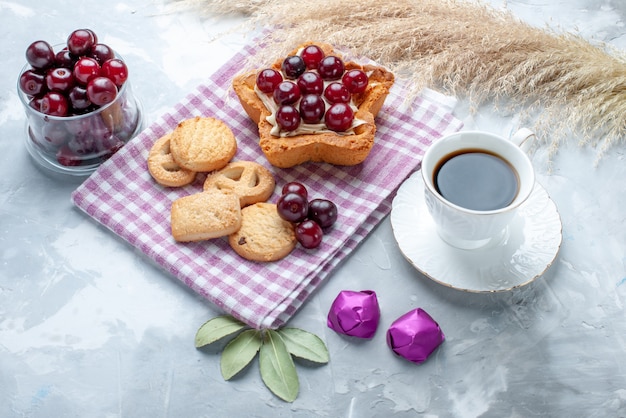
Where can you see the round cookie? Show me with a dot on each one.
(203, 144)
(164, 169)
(264, 235)
(249, 180)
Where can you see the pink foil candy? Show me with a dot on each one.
(355, 313)
(414, 336)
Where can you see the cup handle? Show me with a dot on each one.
(524, 138)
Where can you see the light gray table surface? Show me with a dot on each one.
(89, 327)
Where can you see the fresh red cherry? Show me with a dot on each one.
(295, 187)
(85, 69)
(60, 79)
(331, 68)
(101, 53)
(54, 103)
(355, 81)
(101, 91)
(35, 103)
(323, 212)
(310, 82)
(268, 79)
(78, 98)
(336, 92)
(40, 55)
(309, 234)
(312, 55)
(70, 73)
(288, 118)
(80, 41)
(116, 70)
(287, 92)
(339, 117)
(95, 37)
(312, 108)
(292, 207)
(32, 83)
(65, 59)
(293, 66)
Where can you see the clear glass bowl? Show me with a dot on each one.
(77, 145)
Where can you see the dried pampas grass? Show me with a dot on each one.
(468, 49)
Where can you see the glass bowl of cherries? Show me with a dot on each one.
(79, 105)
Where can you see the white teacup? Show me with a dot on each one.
(460, 217)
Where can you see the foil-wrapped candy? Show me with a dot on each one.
(355, 313)
(414, 336)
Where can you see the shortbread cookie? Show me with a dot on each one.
(203, 144)
(206, 215)
(264, 235)
(249, 180)
(164, 169)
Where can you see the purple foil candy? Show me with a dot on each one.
(355, 313)
(414, 336)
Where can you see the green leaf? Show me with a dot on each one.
(217, 328)
(277, 368)
(239, 352)
(304, 345)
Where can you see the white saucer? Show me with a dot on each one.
(528, 249)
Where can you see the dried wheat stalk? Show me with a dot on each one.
(465, 48)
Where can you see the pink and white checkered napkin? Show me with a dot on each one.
(122, 196)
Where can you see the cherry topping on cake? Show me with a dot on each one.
(293, 66)
(310, 82)
(287, 92)
(288, 118)
(312, 108)
(312, 85)
(312, 55)
(268, 79)
(355, 81)
(339, 117)
(331, 68)
(336, 92)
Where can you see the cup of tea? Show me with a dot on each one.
(474, 182)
